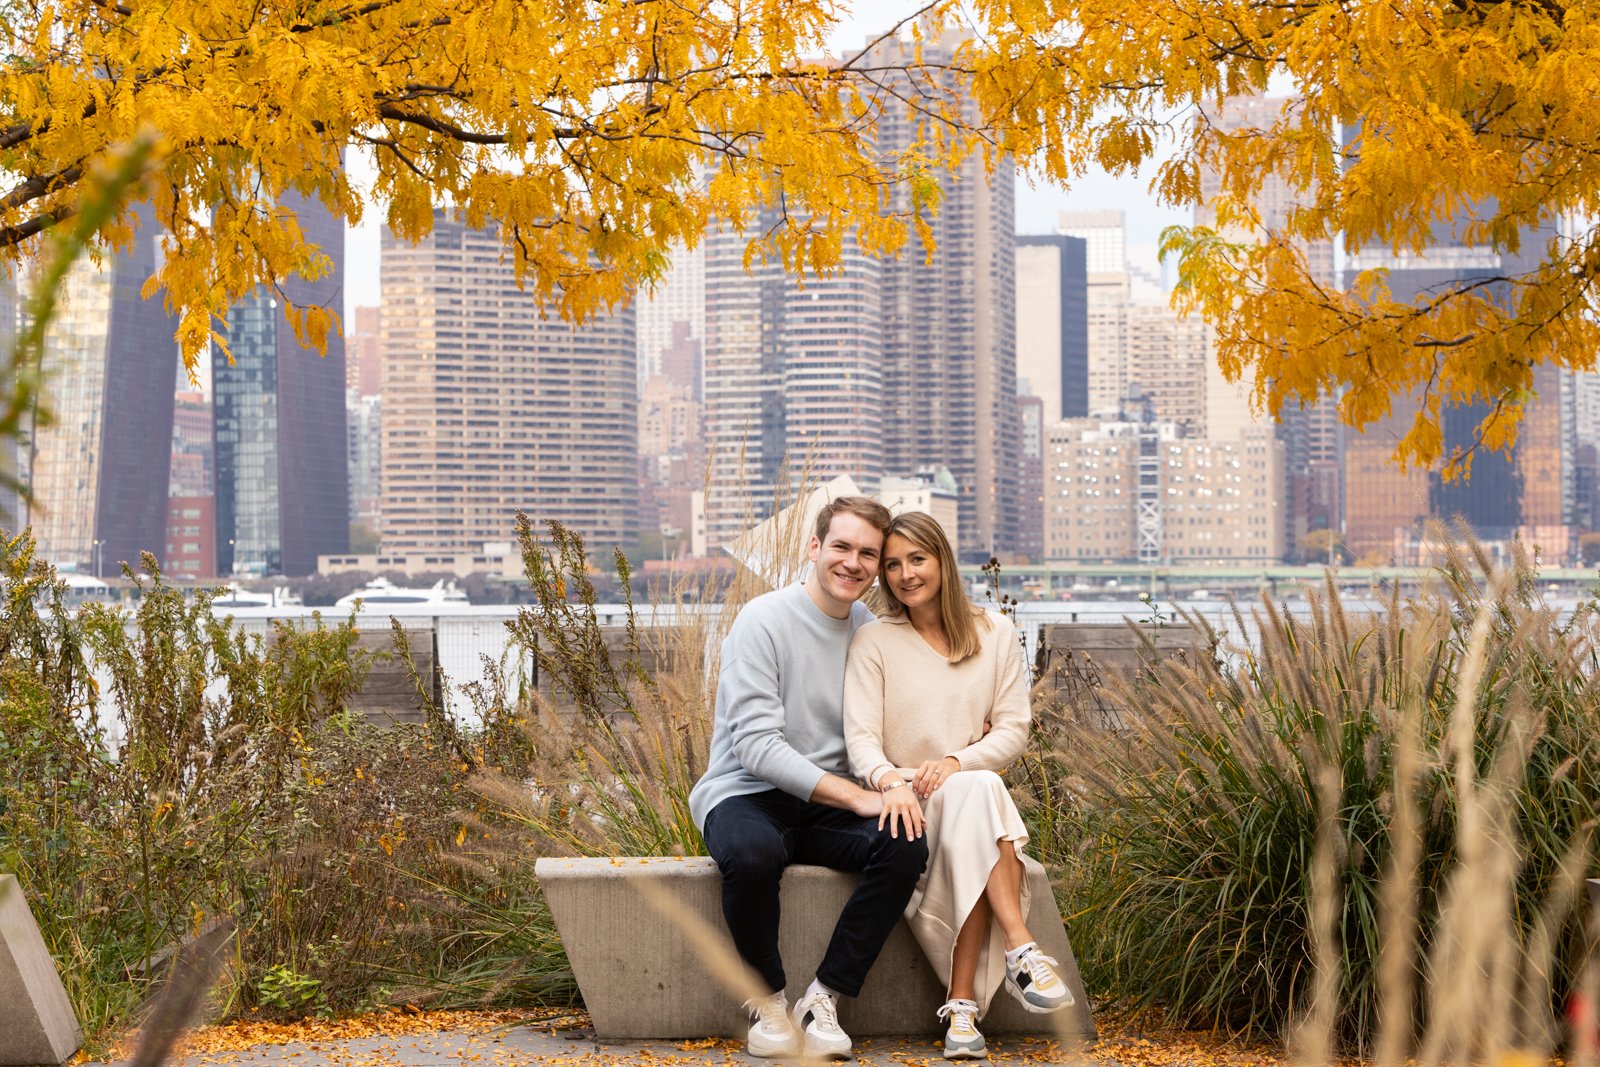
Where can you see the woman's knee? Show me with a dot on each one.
(962, 786)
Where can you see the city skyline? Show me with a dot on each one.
(682, 417)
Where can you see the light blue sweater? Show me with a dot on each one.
(779, 721)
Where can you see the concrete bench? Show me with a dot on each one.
(642, 976)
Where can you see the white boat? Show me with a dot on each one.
(382, 593)
(83, 589)
(233, 598)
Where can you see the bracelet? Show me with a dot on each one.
(897, 785)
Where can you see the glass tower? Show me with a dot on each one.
(281, 479)
(98, 468)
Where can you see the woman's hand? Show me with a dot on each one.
(900, 808)
(931, 775)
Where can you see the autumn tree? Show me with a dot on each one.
(1319, 546)
(1411, 125)
(593, 135)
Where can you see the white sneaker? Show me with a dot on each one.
(772, 1035)
(816, 1016)
(1032, 980)
(962, 1039)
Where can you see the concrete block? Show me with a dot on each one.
(641, 976)
(37, 1024)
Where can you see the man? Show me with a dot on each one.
(777, 791)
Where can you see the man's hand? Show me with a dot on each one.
(838, 792)
(870, 803)
(931, 775)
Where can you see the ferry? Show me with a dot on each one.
(382, 593)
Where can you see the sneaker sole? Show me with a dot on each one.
(832, 1052)
(776, 1051)
(981, 1052)
(1027, 1005)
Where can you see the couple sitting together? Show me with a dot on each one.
(872, 745)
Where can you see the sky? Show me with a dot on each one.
(1038, 204)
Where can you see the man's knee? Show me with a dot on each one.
(753, 860)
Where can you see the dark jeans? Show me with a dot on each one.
(754, 837)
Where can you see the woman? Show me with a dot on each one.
(936, 701)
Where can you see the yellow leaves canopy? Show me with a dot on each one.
(1413, 124)
(595, 133)
(591, 133)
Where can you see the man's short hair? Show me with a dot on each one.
(863, 507)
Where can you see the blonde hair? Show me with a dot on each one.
(958, 614)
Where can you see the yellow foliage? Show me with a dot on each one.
(592, 136)
(1415, 123)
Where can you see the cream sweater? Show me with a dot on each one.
(904, 703)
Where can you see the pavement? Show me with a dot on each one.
(530, 1045)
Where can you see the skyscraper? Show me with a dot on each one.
(673, 316)
(99, 470)
(793, 380)
(363, 364)
(493, 403)
(1528, 494)
(12, 458)
(1138, 344)
(1312, 435)
(884, 369)
(1031, 422)
(363, 413)
(1104, 234)
(191, 490)
(950, 357)
(1053, 324)
(281, 484)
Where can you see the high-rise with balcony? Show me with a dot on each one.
(99, 469)
(282, 494)
(949, 330)
(494, 404)
(793, 380)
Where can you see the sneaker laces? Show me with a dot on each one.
(823, 1008)
(769, 1010)
(1038, 966)
(959, 1011)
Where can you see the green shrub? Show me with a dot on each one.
(136, 815)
